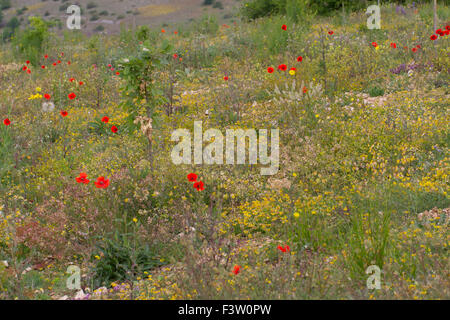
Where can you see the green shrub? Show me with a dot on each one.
(91, 5)
(22, 10)
(99, 28)
(218, 5)
(375, 91)
(207, 25)
(121, 260)
(143, 33)
(261, 8)
(29, 42)
(5, 4)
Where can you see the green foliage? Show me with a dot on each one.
(269, 36)
(123, 260)
(91, 5)
(218, 5)
(29, 42)
(140, 93)
(21, 11)
(296, 10)
(261, 8)
(375, 91)
(100, 128)
(5, 4)
(143, 33)
(6, 156)
(368, 241)
(208, 25)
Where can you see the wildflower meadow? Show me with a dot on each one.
(258, 150)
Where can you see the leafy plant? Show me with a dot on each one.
(122, 260)
(376, 91)
(30, 41)
(141, 94)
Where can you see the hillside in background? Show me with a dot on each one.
(108, 15)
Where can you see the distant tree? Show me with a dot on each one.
(10, 28)
(14, 23)
(5, 4)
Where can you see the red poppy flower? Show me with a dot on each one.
(47, 96)
(447, 32)
(175, 32)
(284, 27)
(175, 56)
(114, 129)
(236, 269)
(414, 49)
(199, 186)
(46, 56)
(64, 113)
(305, 90)
(293, 69)
(225, 78)
(24, 68)
(282, 67)
(28, 61)
(68, 62)
(419, 46)
(117, 73)
(72, 96)
(300, 59)
(72, 79)
(433, 37)
(105, 119)
(331, 32)
(59, 61)
(163, 31)
(101, 183)
(440, 32)
(6, 122)
(374, 44)
(393, 45)
(447, 28)
(54, 63)
(82, 178)
(81, 83)
(192, 177)
(284, 249)
(270, 70)
(28, 71)
(43, 67)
